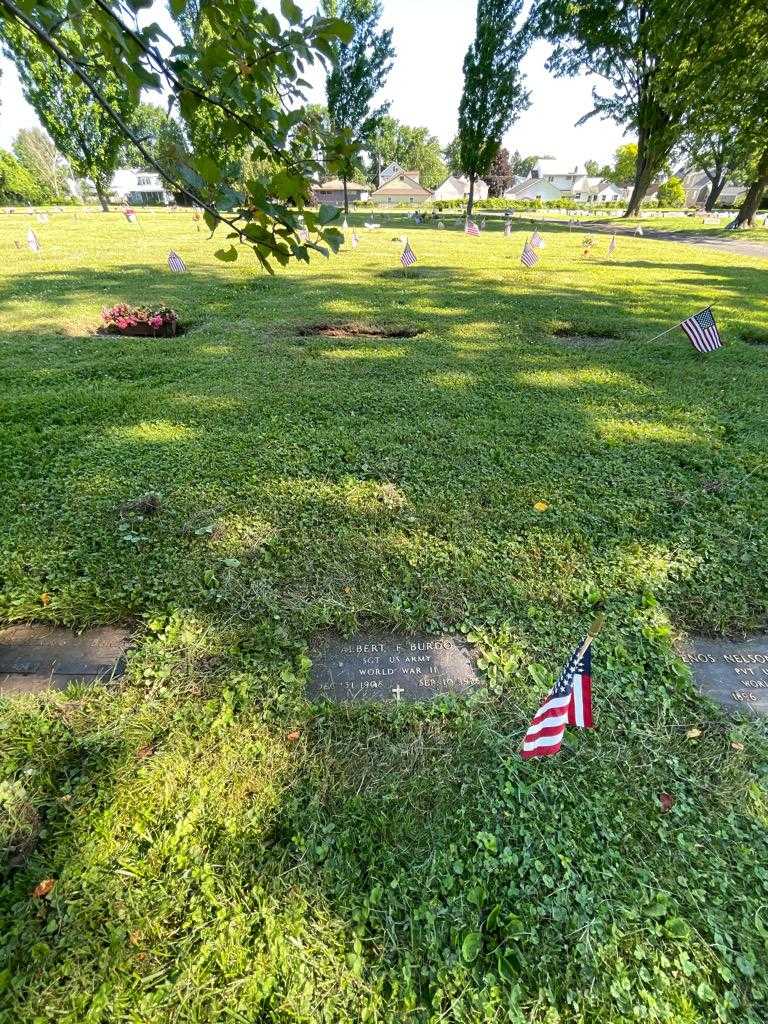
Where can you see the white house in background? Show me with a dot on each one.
(607, 192)
(458, 188)
(394, 170)
(139, 188)
(533, 188)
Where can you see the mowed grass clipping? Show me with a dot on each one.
(224, 851)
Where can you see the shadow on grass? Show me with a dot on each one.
(314, 482)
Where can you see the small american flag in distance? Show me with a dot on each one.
(472, 228)
(529, 256)
(408, 256)
(702, 331)
(569, 702)
(612, 245)
(176, 263)
(536, 240)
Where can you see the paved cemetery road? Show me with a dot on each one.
(759, 249)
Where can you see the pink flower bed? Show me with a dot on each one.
(140, 322)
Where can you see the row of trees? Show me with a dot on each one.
(683, 75)
(687, 78)
(677, 70)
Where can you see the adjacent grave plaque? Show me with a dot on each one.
(733, 673)
(35, 658)
(396, 668)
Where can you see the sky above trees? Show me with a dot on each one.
(424, 87)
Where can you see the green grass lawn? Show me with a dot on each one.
(392, 864)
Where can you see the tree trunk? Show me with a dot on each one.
(751, 204)
(718, 184)
(102, 196)
(653, 145)
(346, 197)
(471, 199)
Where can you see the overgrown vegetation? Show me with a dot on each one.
(216, 849)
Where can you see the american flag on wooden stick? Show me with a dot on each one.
(569, 702)
(32, 241)
(529, 256)
(702, 331)
(612, 245)
(471, 228)
(355, 239)
(536, 240)
(176, 263)
(408, 257)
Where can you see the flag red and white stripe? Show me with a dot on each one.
(569, 702)
(408, 256)
(529, 255)
(702, 331)
(472, 228)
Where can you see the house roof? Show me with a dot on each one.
(521, 186)
(337, 185)
(401, 185)
(460, 183)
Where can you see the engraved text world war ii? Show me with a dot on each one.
(735, 674)
(393, 668)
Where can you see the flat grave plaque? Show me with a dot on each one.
(385, 667)
(36, 658)
(732, 673)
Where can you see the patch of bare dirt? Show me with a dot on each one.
(357, 330)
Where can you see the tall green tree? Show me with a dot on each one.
(671, 193)
(500, 174)
(624, 170)
(248, 70)
(720, 151)
(163, 137)
(37, 152)
(452, 157)
(493, 94)
(80, 126)
(727, 123)
(522, 166)
(655, 55)
(360, 69)
(413, 148)
(17, 184)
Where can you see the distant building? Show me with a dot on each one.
(697, 188)
(549, 183)
(394, 170)
(139, 188)
(608, 192)
(534, 188)
(458, 188)
(332, 192)
(401, 189)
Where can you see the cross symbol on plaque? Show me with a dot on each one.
(397, 691)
